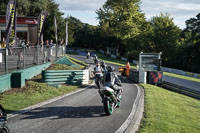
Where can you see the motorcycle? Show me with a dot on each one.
(111, 98)
(3, 120)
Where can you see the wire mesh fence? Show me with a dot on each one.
(23, 57)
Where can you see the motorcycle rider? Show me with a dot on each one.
(111, 79)
(98, 69)
(98, 75)
(88, 54)
(104, 66)
(95, 59)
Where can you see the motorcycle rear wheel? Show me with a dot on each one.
(108, 106)
(5, 130)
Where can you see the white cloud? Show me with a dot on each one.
(81, 9)
(180, 10)
(80, 5)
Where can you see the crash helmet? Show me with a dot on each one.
(111, 69)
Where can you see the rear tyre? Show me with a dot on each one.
(108, 106)
(5, 130)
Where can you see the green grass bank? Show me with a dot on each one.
(169, 112)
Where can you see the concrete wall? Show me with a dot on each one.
(5, 83)
(18, 79)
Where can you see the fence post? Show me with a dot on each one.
(6, 63)
(63, 51)
(24, 57)
(37, 54)
(56, 51)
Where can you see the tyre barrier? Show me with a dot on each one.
(53, 77)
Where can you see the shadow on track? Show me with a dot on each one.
(66, 112)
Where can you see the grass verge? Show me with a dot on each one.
(169, 112)
(181, 77)
(82, 64)
(33, 93)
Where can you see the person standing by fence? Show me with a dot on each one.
(3, 43)
(22, 45)
(48, 47)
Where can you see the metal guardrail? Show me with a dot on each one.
(181, 89)
(22, 57)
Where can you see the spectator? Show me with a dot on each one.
(48, 47)
(20, 54)
(61, 42)
(51, 43)
(3, 43)
(28, 44)
(42, 46)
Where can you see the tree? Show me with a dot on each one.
(74, 25)
(189, 52)
(121, 20)
(166, 37)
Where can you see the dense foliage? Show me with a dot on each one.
(122, 25)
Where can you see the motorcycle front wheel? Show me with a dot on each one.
(5, 130)
(108, 106)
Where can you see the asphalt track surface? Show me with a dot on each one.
(81, 112)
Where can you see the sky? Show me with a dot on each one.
(180, 10)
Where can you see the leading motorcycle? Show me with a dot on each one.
(111, 94)
(111, 99)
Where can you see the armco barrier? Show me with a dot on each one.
(65, 76)
(113, 56)
(124, 59)
(5, 82)
(181, 89)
